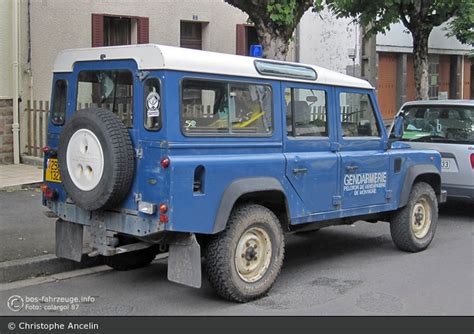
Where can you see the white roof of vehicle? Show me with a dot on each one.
(153, 56)
(440, 103)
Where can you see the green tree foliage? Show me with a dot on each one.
(419, 17)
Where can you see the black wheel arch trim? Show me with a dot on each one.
(412, 174)
(241, 187)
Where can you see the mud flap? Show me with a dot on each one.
(69, 240)
(184, 261)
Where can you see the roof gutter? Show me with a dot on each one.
(15, 81)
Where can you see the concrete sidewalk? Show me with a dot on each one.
(16, 176)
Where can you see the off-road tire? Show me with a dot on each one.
(119, 161)
(221, 249)
(401, 230)
(132, 260)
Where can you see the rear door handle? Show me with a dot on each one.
(300, 170)
(352, 169)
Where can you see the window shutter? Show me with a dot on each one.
(97, 30)
(241, 40)
(143, 30)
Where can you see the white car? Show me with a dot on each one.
(448, 127)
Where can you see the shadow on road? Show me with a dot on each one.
(457, 208)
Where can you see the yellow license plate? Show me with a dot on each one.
(52, 171)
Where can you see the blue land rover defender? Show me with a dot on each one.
(161, 149)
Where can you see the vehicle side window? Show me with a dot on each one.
(153, 111)
(225, 108)
(306, 112)
(358, 117)
(58, 110)
(109, 89)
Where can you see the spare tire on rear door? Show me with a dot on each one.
(96, 159)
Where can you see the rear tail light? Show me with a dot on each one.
(165, 162)
(49, 193)
(472, 160)
(163, 211)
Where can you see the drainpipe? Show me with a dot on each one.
(462, 77)
(15, 75)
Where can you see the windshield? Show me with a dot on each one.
(449, 124)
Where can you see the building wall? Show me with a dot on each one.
(328, 42)
(65, 24)
(6, 135)
(6, 102)
(5, 49)
(398, 39)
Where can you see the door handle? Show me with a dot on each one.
(300, 170)
(352, 168)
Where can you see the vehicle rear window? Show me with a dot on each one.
(449, 124)
(153, 110)
(210, 108)
(109, 89)
(58, 110)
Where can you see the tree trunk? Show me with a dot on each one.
(420, 63)
(274, 46)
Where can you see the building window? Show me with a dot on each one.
(246, 35)
(117, 31)
(109, 30)
(191, 35)
(433, 78)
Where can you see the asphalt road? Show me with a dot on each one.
(344, 270)
(24, 230)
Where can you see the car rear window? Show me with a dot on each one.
(449, 124)
(109, 89)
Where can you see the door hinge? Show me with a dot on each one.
(142, 75)
(336, 200)
(334, 146)
(139, 153)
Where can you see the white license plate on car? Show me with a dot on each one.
(445, 164)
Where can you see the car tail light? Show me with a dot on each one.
(165, 162)
(163, 208)
(49, 193)
(163, 211)
(472, 160)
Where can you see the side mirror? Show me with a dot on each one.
(398, 127)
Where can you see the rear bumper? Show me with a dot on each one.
(458, 191)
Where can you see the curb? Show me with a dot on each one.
(43, 265)
(21, 187)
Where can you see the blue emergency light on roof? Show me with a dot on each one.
(285, 70)
(256, 51)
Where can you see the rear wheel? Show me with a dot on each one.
(245, 259)
(413, 226)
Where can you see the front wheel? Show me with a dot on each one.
(244, 260)
(413, 226)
